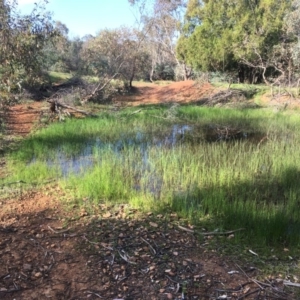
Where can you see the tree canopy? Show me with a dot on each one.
(22, 39)
(234, 35)
(249, 40)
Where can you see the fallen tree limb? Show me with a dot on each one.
(101, 86)
(59, 104)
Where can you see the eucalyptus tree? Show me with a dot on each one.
(162, 23)
(117, 52)
(292, 23)
(56, 48)
(22, 39)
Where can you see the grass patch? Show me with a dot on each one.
(59, 77)
(216, 168)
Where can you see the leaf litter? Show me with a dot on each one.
(116, 252)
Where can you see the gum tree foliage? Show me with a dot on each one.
(61, 53)
(162, 22)
(55, 49)
(235, 36)
(292, 21)
(72, 58)
(22, 39)
(116, 53)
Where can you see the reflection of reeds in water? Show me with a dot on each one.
(246, 177)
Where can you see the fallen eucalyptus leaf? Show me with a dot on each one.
(252, 252)
(153, 224)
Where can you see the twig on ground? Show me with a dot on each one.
(253, 280)
(212, 232)
(97, 244)
(186, 229)
(172, 279)
(288, 283)
(222, 233)
(124, 257)
(63, 231)
(153, 250)
(93, 293)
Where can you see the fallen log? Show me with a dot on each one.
(54, 105)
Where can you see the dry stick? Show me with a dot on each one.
(97, 244)
(185, 229)
(153, 250)
(212, 232)
(177, 284)
(253, 280)
(288, 283)
(172, 279)
(222, 233)
(93, 293)
(126, 259)
(63, 231)
(264, 138)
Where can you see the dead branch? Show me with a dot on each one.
(288, 283)
(126, 258)
(58, 104)
(222, 233)
(226, 96)
(100, 87)
(212, 232)
(186, 229)
(251, 279)
(152, 249)
(58, 232)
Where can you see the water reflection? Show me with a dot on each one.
(175, 135)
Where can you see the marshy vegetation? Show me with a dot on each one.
(217, 168)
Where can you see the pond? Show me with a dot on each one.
(177, 134)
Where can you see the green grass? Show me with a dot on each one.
(251, 184)
(58, 77)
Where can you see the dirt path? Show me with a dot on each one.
(50, 252)
(20, 119)
(115, 254)
(179, 92)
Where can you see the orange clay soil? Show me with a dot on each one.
(181, 92)
(50, 252)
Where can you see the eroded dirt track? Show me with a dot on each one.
(20, 119)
